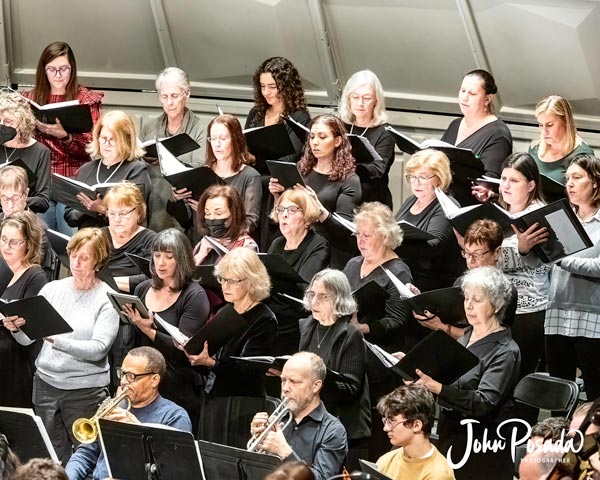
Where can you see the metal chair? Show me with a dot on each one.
(549, 393)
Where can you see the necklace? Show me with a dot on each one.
(110, 176)
(364, 131)
(7, 155)
(321, 340)
(497, 329)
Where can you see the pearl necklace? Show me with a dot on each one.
(108, 166)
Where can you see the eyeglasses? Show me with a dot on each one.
(11, 243)
(391, 424)
(474, 255)
(319, 297)
(106, 140)
(357, 98)
(131, 377)
(419, 179)
(221, 138)
(14, 198)
(290, 210)
(63, 70)
(111, 214)
(229, 281)
(173, 97)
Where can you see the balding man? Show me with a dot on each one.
(141, 373)
(314, 436)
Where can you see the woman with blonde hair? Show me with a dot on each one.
(16, 113)
(116, 152)
(434, 263)
(362, 109)
(559, 141)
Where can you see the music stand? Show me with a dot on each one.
(150, 452)
(221, 461)
(26, 434)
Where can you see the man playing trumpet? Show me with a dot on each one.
(141, 373)
(314, 436)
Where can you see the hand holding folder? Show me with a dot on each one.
(41, 318)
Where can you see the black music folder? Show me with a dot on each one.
(196, 180)
(269, 142)
(224, 462)
(179, 144)
(279, 270)
(552, 189)
(142, 263)
(205, 276)
(26, 434)
(286, 173)
(446, 303)
(413, 233)
(225, 325)
(362, 150)
(42, 320)
(301, 131)
(371, 296)
(439, 356)
(567, 235)
(371, 469)
(484, 181)
(65, 190)
(74, 117)
(134, 450)
(264, 362)
(118, 300)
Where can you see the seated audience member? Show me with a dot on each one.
(8, 460)
(306, 251)
(329, 333)
(362, 109)
(20, 247)
(292, 471)
(40, 469)
(15, 112)
(483, 393)
(72, 370)
(314, 436)
(227, 155)
(538, 464)
(117, 158)
(234, 392)
(221, 216)
(327, 167)
(434, 263)
(141, 374)
(550, 429)
(172, 294)
(173, 89)
(408, 415)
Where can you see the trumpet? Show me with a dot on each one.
(85, 430)
(274, 420)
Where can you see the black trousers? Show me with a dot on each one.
(528, 333)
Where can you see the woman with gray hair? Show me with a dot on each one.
(484, 393)
(362, 109)
(173, 89)
(16, 113)
(329, 333)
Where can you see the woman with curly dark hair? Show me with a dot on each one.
(328, 170)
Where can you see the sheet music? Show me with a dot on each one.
(169, 165)
(403, 290)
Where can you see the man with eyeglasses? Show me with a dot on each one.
(408, 415)
(142, 370)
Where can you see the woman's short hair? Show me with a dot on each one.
(97, 241)
(337, 285)
(239, 153)
(291, 471)
(14, 177)
(289, 87)
(124, 134)
(173, 76)
(484, 232)
(176, 243)
(493, 283)
(29, 226)
(243, 263)
(363, 77)
(525, 164)
(300, 197)
(17, 107)
(41, 91)
(413, 402)
(382, 219)
(436, 161)
(559, 106)
(236, 225)
(591, 165)
(126, 194)
(343, 162)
